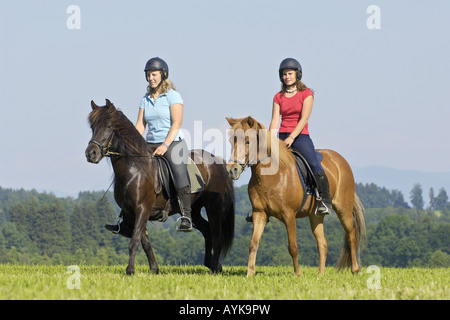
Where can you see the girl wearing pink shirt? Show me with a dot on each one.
(293, 104)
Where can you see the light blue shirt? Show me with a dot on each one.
(157, 115)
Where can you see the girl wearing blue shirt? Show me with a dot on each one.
(161, 109)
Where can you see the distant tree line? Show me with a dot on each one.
(40, 228)
(374, 196)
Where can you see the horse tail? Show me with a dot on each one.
(227, 228)
(359, 224)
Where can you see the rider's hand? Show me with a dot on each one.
(160, 151)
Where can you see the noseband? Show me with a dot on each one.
(247, 163)
(243, 165)
(104, 148)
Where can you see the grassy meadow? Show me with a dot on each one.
(90, 282)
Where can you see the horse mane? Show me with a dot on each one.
(281, 153)
(131, 142)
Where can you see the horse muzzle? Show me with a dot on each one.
(93, 153)
(234, 170)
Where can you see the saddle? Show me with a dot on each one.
(164, 182)
(306, 175)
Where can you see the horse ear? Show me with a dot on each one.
(251, 122)
(93, 105)
(109, 104)
(232, 121)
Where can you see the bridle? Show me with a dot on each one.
(105, 147)
(244, 165)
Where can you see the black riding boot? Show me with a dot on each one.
(324, 205)
(184, 195)
(123, 228)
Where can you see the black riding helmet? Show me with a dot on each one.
(290, 63)
(157, 64)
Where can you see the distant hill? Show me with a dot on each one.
(403, 180)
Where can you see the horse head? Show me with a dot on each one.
(249, 142)
(100, 120)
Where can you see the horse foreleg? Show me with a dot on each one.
(322, 245)
(291, 228)
(145, 241)
(259, 222)
(139, 229)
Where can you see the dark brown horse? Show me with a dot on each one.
(275, 190)
(139, 195)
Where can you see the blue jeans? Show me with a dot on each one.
(305, 146)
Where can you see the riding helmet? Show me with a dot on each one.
(290, 63)
(157, 64)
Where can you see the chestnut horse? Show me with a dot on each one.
(275, 190)
(139, 194)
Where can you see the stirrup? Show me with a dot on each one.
(323, 213)
(249, 217)
(185, 229)
(118, 226)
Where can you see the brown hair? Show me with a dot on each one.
(299, 84)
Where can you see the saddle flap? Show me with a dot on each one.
(156, 180)
(305, 174)
(304, 170)
(164, 177)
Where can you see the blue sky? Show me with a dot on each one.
(380, 95)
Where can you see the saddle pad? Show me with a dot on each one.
(195, 177)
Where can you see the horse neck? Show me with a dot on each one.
(276, 152)
(131, 159)
(273, 164)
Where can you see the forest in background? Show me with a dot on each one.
(40, 228)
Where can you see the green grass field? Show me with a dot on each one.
(195, 282)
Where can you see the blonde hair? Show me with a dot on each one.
(163, 87)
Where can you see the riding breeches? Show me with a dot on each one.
(177, 155)
(303, 144)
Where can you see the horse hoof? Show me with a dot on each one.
(217, 269)
(154, 271)
(130, 271)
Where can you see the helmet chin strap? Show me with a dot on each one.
(294, 85)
